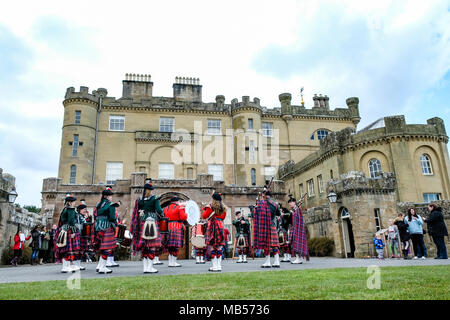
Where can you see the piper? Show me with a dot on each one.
(145, 227)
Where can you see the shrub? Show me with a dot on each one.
(320, 247)
(8, 254)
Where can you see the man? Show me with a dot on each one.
(145, 227)
(299, 244)
(242, 226)
(177, 216)
(284, 232)
(437, 229)
(265, 232)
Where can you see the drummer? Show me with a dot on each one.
(177, 215)
(215, 238)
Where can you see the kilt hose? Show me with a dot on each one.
(176, 235)
(143, 244)
(105, 240)
(73, 244)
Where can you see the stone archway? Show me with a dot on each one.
(165, 198)
(165, 201)
(347, 233)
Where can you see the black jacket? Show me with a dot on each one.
(402, 229)
(436, 224)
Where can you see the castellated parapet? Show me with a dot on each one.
(137, 93)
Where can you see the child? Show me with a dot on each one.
(379, 245)
(393, 236)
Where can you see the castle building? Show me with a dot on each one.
(192, 148)
(374, 174)
(105, 139)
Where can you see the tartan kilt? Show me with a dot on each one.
(214, 233)
(105, 240)
(73, 244)
(274, 237)
(176, 235)
(148, 243)
(286, 239)
(85, 243)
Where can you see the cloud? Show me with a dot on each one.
(388, 59)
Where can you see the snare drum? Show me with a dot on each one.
(120, 232)
(198, 235)
(164, 225)
(128, 239)
(88, 229)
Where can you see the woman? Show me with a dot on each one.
(145, 227)
(176, 215)
(404, 234)
(437, 229)
(43, 251)
(215, 237)
(105, 225)
(415, 229)
(18, 247)
(35, 243)
(69, 247)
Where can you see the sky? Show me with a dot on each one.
(393, 55)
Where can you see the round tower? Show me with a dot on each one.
(78, 136)
(246, 117)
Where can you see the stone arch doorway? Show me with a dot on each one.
(347, 233)
(164, 200)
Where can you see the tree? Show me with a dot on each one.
(33, 209)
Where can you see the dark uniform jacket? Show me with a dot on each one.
(436, 224)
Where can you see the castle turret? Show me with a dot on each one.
(286, 109)
(187, 89)
(78, 135)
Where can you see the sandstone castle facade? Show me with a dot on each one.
(190, 148)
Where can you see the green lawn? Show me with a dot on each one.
(430, 282)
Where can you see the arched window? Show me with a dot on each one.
(321, 133)
(425, 162)
(73, 174)
(253, 176)
(375, 168)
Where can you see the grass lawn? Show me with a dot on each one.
(430, 282)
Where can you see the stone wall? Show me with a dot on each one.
(11, 217)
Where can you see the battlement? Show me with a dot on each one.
(187, 96)
(389, 129)
(84, 94)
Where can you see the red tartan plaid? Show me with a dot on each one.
(142, 243)
(73, 244)
(214, 233)
(176, 235)
(262, 231)
(84, 243)
(105, 240)
(274, 240)
(299, 243)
